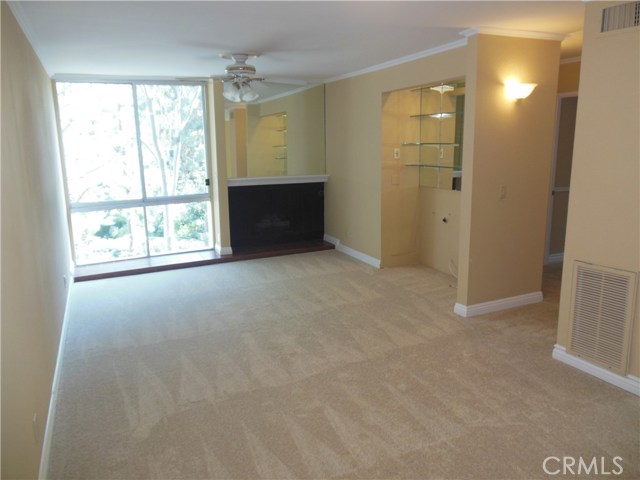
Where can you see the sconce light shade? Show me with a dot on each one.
(515, 90)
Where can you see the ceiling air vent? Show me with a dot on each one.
(621, 16)
(602, 314)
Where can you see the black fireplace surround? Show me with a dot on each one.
(274, 215)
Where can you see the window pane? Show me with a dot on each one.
(109, 235)
(172, 137)
(99, 138)
(189, 227)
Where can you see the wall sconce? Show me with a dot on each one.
(515, 90)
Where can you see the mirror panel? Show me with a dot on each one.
(281, 136)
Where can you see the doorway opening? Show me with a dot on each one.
(561, 177)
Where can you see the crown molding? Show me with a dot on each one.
(505, 32)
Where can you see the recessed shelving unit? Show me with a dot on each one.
(434, 137)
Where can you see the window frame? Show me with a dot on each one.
(144, 201)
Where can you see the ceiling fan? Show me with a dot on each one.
(237, 81)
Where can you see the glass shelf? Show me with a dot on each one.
(443, 88)
(437, 115)
(428, 144)
(434, 165)
(435, 123)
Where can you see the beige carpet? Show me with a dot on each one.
(315, 366)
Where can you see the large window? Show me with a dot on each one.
(135, 169)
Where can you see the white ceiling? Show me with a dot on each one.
(299, 42)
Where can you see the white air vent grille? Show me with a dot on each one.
(602, 315)
(621, 16)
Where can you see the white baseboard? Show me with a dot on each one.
(497, 305)
(223, 250)
(53, 400)
(331, 239)
(363, 257)
(629, 383)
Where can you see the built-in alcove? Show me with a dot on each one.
(422, 133)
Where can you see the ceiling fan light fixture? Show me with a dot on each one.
(239, 89)
(240, 69)
(230, 91)
(237, 82)
(247, 94)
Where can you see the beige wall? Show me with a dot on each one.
(569, 77)
(35, 251)
(354, 205)
(506, 144)
(236, 141)
(439, 239)
(218, 167)
(603, 226)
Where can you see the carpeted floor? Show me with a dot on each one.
(315, 366)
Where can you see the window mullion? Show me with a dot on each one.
(106, 205)
(138, 140)
(137, 202)
(134, 92)
(207, 143)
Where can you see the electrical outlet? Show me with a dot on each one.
(396, 153)
(65, 281)
(503, 192)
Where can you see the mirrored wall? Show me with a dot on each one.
(280, 136)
